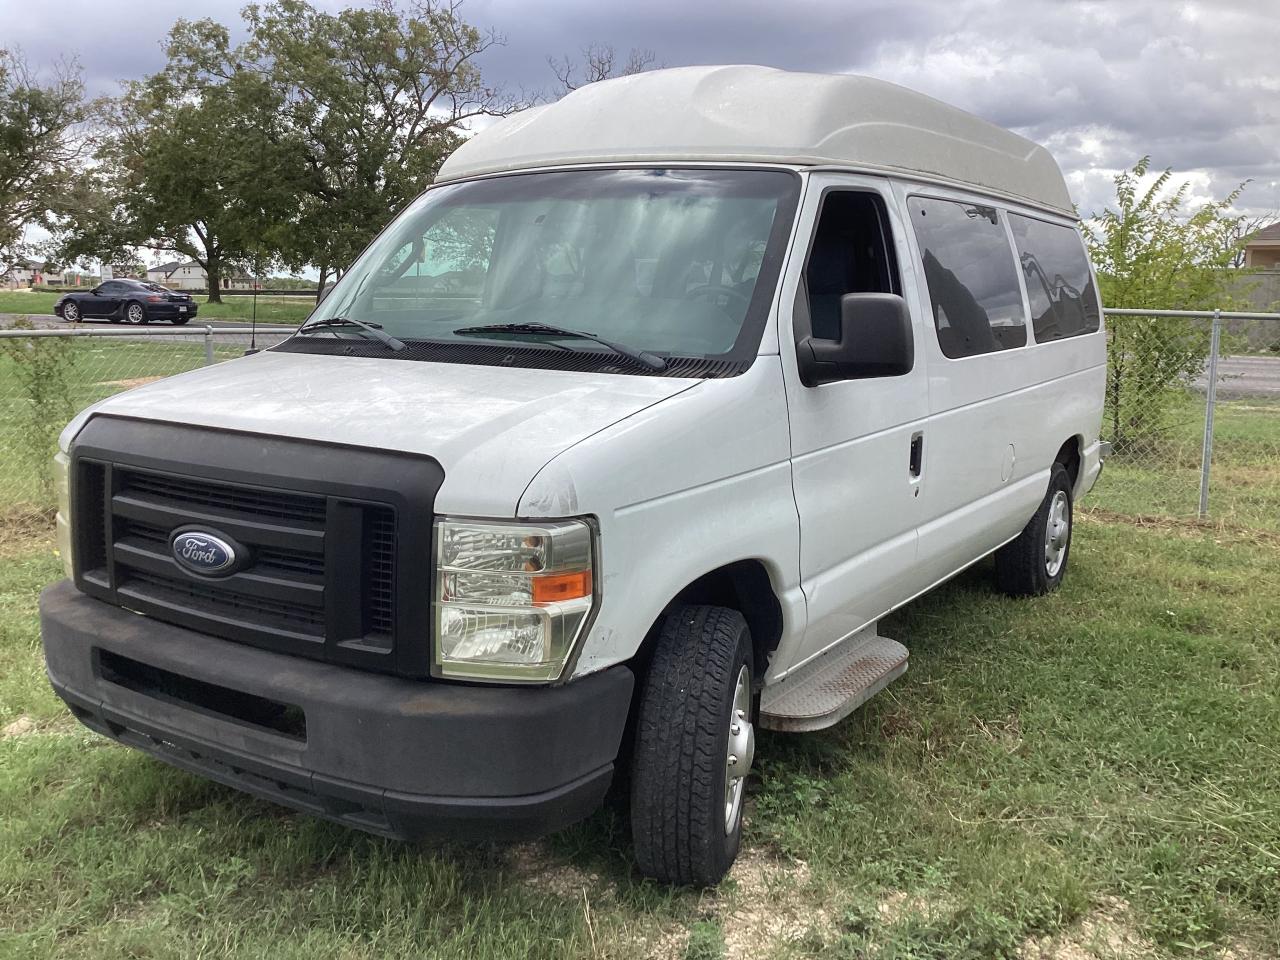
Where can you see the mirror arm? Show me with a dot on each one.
(818, 361)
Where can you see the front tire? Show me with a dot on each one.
(694, 747)
(71, 312)
(1035, 563)
(135, 313)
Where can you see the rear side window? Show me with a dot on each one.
(1059, 285)
(972, 279)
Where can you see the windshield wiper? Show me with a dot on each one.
(643, 357)
(373, 329)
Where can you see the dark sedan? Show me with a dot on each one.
(127, 301)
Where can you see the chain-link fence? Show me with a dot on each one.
(1192, 407)
(47, 376)
(1193, 415)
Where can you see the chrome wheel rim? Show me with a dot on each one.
(740, 750)
(134, 314)
(70, 312)
(1057, 533)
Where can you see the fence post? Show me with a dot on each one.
(208, 345)
(1210, 402)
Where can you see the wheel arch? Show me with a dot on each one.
(1071, 456)
(742, 585)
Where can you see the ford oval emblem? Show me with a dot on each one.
(204, 553)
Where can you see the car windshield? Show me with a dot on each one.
(671, 261)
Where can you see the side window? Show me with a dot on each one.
(972, 280)
(851, 253)
(1059, 285)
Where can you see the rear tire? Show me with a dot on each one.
(179, 321)
(694, 747)
(1035, 563)
(135, 313)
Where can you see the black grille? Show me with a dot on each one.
(283, 596)
(331, 541)
(379, 570)
(258, 504)
(237, 608)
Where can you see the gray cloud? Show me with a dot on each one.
(1100, 83)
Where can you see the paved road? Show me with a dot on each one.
(1248, 377)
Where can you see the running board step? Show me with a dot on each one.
(829, 688)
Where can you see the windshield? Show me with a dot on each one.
(677, 262)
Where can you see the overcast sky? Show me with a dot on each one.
(1194, 84)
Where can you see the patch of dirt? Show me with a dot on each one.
(1183, 526)
(894, 906)
(672, 944)
(766, 903)
(1243, 951)
(1106, 933)
(26, 726)
(18, 728)
(536, 867)
(129, 383)
(24, 532)
(1007, 731)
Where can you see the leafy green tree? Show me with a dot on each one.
(369, 102)
(39, 148)
(1151, 252)
(189, 167)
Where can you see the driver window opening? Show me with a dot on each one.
(851, 253)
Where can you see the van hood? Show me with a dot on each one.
(491, 428)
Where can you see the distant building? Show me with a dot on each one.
(189, 275)
(28, 273)
(1262, 249)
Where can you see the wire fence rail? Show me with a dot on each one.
(47, 376)
(1193, 416)
(1192, 406)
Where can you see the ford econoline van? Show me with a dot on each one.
(612, 449)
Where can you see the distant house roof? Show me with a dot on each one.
(1266, 233)
(168, 269)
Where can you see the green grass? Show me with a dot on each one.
(1098, 768)
(97, 368)
(1162, 476)
(270, 309)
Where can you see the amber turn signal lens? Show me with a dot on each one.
(562, 586)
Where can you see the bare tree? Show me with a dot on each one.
(1246, 227)
(599, 62)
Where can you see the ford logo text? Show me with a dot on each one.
(203, 553)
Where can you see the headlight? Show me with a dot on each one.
(511, 598)
(62, 522)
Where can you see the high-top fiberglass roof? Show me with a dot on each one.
(746, 113)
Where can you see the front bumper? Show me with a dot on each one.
(392, 756)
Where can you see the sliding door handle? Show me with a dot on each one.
(916, 462)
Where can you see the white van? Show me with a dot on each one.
(614, 446)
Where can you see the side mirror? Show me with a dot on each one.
(96, 291)
(328, 289)
(875, 341)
